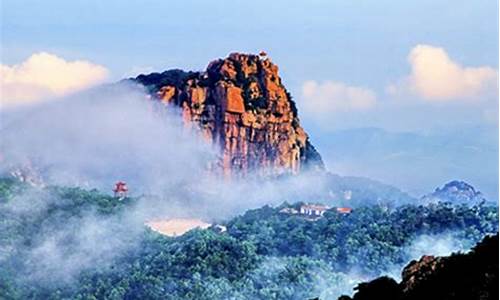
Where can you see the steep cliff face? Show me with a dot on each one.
(240, 104)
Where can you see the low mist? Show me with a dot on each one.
(95, 138)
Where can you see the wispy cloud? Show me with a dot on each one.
(330, 96)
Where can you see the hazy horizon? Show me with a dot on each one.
(348, 66)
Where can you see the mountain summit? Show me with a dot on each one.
(240, 104)
(458, 192)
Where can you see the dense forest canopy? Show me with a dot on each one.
(102, 253)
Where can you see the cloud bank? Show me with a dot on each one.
(45, 75)
(96, 137)
(331, 96)
(436, 77)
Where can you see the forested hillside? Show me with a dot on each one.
(103, 253)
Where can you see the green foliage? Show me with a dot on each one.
(154, 81)
(10, 187)
(369, 238)
(78, 200)
(264, 254)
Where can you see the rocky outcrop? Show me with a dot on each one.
(240, 104)
(457, 192)
(419, 271)
(460, 276)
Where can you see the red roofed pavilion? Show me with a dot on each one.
(120, 189)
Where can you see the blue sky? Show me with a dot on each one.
(340, 47)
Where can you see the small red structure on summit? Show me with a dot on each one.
(120, 189)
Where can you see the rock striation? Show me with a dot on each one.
(241, 105)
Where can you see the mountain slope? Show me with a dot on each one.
(70, 243)
(460, 276)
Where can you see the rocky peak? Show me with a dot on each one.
(240, 104)
(458, 187)
(457, 192)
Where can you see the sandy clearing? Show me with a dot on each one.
(176, 227)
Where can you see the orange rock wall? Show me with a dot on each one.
(240, 104)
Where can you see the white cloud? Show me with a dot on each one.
(436, 77)
(323, 99)
(43, 75)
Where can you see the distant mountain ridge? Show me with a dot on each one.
(414, 161)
